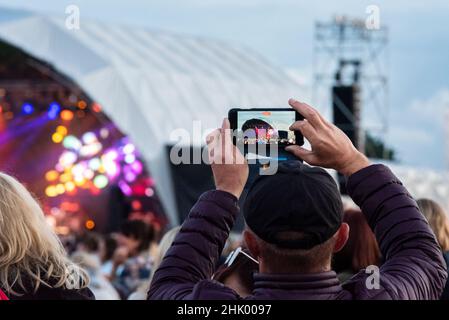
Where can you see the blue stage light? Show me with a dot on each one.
(53, 110)
(27, 108)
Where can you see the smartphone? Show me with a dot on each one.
(265, 132)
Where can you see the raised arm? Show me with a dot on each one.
(197, 248)
(414, 267)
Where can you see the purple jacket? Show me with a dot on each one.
(414, 267)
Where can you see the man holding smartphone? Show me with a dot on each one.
(294, 220)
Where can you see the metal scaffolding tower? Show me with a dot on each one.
(344, 44)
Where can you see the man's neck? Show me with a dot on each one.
(264, 268)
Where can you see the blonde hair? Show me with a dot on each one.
(438, 221)
(31, 254)
(165, 244)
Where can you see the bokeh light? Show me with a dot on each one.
(67, 115)
(53, 110)
(101, 181)
(57, 137)
(27, 108)
(90, 224)
(62, 130)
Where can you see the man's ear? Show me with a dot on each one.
(251, 243)
(341, 237)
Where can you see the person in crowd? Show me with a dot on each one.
(133, 256)
(295, 224)
(361, 249)
(237, 271)
(33, 262)
(439, 222)
(99, 284)
(164, 245)
(110, 245)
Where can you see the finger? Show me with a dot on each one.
(301, 153)
(227, 137)
(306, 129)
(213, 145)
(309, 113)
(229, 151)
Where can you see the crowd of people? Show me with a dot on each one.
(300, 241)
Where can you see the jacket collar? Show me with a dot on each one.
(324, 282)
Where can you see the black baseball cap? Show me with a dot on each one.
(298, 198)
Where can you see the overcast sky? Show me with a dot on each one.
(282, 30)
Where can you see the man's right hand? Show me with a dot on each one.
(229, 166)
(331, 148)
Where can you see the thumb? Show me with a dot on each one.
(301, 153)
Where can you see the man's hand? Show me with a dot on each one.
(228, 164)
(331, 148)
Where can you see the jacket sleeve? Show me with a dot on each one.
(413, 267)
(196, 249)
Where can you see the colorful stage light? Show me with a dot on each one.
(72, 143)
(57, 137)
(90, 150)
(65, 177)
(51, 175)
(85, 165)
(78, 170)
(96, 107)
(88, 174)
(70, 186)
(126, 189)
(27, 108)
(62, 130)
(101, 181)
(149, 192)
(110, 156)
(79, 181)
(104, 133)
(130, 176)
(137, 167)
(82, 104)
(67, 115)
(136, 205)
(60, 189)
(53, 110)
(95, 164)
(130, 158)
(70, 206)
(90, 224)
(129, 148)
(51, 191)
(89, 138)
(111, 168)
(68, 158)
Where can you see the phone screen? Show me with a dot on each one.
(265, 127)
(264, 133)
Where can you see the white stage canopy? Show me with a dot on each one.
(151, 82)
